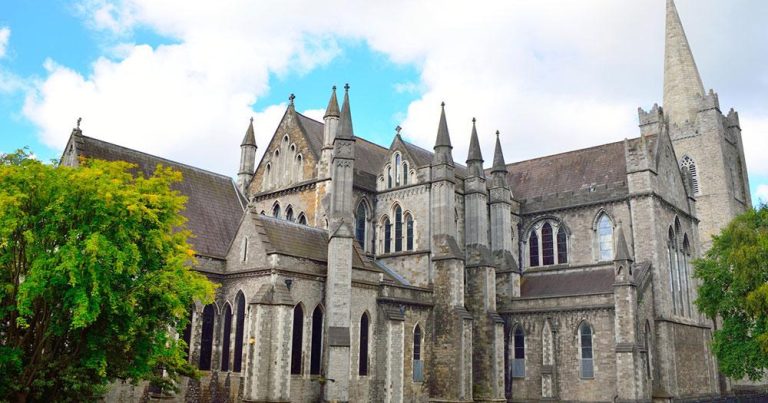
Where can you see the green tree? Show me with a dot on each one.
(94, 278)
(734, 275)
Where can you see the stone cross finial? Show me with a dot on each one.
(346, 87)
(497, 133)
(473, 120)
(334, 88)
(291, 98)
(442, 104)
(397, 129)
(78, 123)
(251, 119)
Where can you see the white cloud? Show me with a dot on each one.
(5, 34)
(761, 193)
(551, 75)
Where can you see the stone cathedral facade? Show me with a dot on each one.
(352, 272)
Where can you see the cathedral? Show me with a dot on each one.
(352, 272)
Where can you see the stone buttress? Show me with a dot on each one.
(450, 375)
(338, 290)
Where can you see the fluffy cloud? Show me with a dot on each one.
(550, 75)
(761, 194)
(5, 34)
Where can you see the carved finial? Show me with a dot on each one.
(291, 98)
(346, 87)
(497, 133)
(78, 123)
(397, 129)
(251, 119)
(334, 88)
(442, 104)
(473, 121)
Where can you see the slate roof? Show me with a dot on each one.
(560, 284)
(214, 206)
(571, 171)
(297, 240)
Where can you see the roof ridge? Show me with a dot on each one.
(158, 157)
(295, 224)
(569, 152)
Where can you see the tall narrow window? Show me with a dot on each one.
(672, 254)
(687, 162)
(289, 214)
(206, 338)
(298, 338)
(225, 335)
(302, 219)
(562, 246)
(605, 237)
(363, 362)
(398, 229)
(360, 224)
(518, 362)
(299, 168)
(533, 249)
(405, 173)
(418, 364)
(387, 235)
(186, 335)
(389, 177)
(317, 342)
(268, 175)
(409, 232)
(276, 211)
(237, 363)
(397, 170)
(587, 365)
(686, 274)
(648, 353)
(547, 245)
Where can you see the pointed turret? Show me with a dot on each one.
(333, 105)
(498, 157)
(247, 159)
(443, 142)
(475, 156)
(345, 122)
(682, 83)
(622, 251)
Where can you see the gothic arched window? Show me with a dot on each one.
(518, 357)
(389, 177)
(397, 169)
(239, 331)
(408, 232)
(206, 338)
(674, 276)
(605, 238)
(297, 340)
(687, 162)
(533, 249)
(586, 369)
(685, 256)
(562, 246)
(405, 173)
(225, 336)
(363, 356)
(302, 219)
(387, 235)
(418, 364)
(547, 245)
(360, 218)
(398, 229)
(289, 214)
(276, 210)
(316, 350)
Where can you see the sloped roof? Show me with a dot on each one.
(297, 240)
(214, 206)
(560, 284)
(568, 172)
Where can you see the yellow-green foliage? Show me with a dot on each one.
(734, 287)
(94, 277)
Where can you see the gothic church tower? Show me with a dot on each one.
(707, 144)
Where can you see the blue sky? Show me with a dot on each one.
(181, 79)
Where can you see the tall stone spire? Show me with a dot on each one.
(498, 157)
(682, 83)
(247, 159)
(333, 105)
(443, 142)
(475, 156)
(345, 122)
